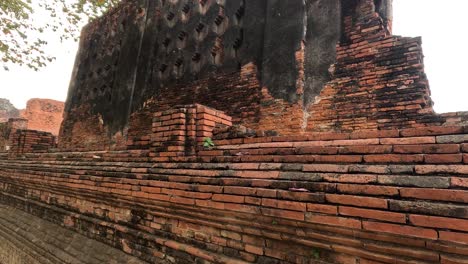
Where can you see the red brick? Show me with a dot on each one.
(439, 222)
(377, 169)
(375, 134)
(270, 166)
(459, 182)
(355, 142)
(427, 149)
(140, 194)
(431, 131)
(403, 230)
(231, 235)
(150, 189)
(253, 240)
(357, 200)
(292, 138)
(464, 147)
(407, 141)
(228, 198)
(453, 139)
(139, 170)
(241, 208)
(218, 240)
(257, 174)
(365, 256)
(254, 249)
(301, 196)
(350, 178)
(248, 257)
(460, 238)
(368, 189)
(254, 183)
(325, 168)
(267, 193)
(404, 252)
(385, 237)
(182, 200)
(445, 169)
(443, 158)
(207, 188)
(275, 253)
(370, 149)
(253, 200)
(441, 246)
(322, 208)
(209, 152)
(393, 158)
(446, 259)
(333, 220)
(436, 194)
(339, 158)
(328, 136)
(244, 166)
(270, 145)
(465, 158)
(317, 150)
(240, 190)
(373, 214)
(161, 197)
(283, 214)
(295, 206)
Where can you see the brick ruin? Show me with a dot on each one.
(34, 129)
(325, 149)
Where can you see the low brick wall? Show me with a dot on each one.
(30, 141)
(393, 196)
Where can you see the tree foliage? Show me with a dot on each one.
(25, 26)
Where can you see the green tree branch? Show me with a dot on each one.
(23, 38)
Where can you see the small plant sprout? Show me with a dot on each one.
(315, 253)
(208, 143)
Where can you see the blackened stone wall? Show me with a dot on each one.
(142, 49)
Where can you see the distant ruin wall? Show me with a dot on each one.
(315, 65)
(16, 139)
(44, 115)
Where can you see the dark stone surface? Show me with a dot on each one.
(141, 47)
(284, 32)
(323, 32)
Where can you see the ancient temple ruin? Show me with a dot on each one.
(244, 131)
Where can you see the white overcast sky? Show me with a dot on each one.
(442, 24)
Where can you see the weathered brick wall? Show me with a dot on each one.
(392, 196)
(6, 130)
(30, 141)
(370, 80)
(378, 80)
(4, 135)
(182, 131)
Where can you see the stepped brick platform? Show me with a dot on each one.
(393, 196)
(325, 149)
(27, 141)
